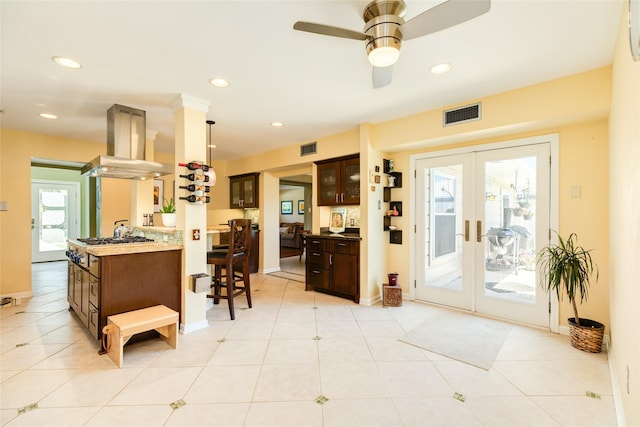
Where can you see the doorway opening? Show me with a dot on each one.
(56, 206)
(295, 219)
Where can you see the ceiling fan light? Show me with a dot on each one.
(384, 56)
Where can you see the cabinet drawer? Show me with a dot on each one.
(341, 247)
(315, 276)
(94, 320)
(314, 244)
(94, 291)
(315, 257)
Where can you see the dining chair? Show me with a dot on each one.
(234, 260)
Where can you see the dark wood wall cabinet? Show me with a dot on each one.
(119, 283)
(339, 181)
(243, 191)
(333, 266)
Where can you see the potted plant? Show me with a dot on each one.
(168, 213)
(567, 269)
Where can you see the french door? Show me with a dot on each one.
(481, 217)
(54, 218)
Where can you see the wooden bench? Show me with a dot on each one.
(121, 327)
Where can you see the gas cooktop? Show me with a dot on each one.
(114, 240)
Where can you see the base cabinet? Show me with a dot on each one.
(333, 266)
(78, 292)
(121, 283)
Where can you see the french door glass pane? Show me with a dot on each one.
(509, 213)
(444, 251)
(54, 221)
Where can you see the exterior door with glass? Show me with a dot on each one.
(481, 218)
(444, 246)
(54, 213)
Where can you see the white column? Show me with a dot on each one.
(190, 145)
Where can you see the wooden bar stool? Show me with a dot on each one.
(237, 254)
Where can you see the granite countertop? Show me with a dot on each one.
(343, 236)
(128, 248)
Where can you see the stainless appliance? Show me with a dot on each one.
(126, 139)
(77, 253)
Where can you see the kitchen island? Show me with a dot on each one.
(110, 279)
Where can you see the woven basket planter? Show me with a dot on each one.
(588, 336)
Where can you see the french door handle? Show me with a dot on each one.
(479, 234)
(466, 231)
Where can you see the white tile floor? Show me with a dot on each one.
(296, 358)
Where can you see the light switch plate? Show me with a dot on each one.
(576, 192)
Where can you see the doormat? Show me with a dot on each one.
(469, 339)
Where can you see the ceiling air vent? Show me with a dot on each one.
(461, 115)
(307, 149)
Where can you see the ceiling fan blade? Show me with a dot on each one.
(328, 30)
(382, 76)
(444, 15)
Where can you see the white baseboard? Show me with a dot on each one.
(370, 301)
(192, 327)
(617, 398)
(17, 297)
(270, 270)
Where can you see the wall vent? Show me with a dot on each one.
(307, 149)
(468, 113)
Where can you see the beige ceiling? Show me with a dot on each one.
(144, 54)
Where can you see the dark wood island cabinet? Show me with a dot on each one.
(122, 279)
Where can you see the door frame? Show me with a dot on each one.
(77, 212)
(552, 139)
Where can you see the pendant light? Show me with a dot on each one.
(211, 172)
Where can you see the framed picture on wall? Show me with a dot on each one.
(286, 207)
(158, 194)
(300, 207)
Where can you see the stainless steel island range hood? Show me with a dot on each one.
(126, 138)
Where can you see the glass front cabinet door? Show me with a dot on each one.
(339, 181)
(243, 191)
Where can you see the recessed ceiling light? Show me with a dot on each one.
(277, 124)
(48, 116)
(66, 62)
(441, 68)
(218, 82)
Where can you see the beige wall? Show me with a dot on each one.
(624, 225)
(17, 149)
(572, 99)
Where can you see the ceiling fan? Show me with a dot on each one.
(385, 29)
